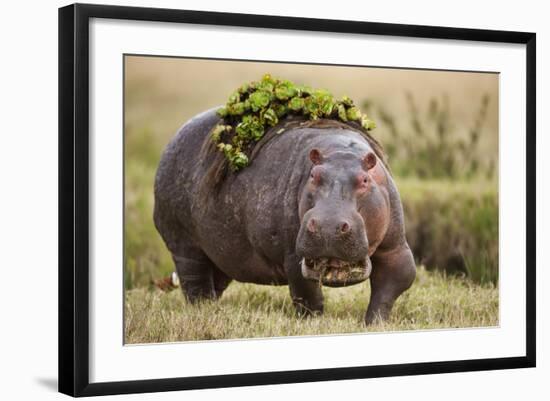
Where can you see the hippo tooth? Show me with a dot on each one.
(304, 268)
(309, 273)
(175, 279)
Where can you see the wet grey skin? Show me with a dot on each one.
(316, 207)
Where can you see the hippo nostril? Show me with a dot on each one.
(311, 225)
(344, 227)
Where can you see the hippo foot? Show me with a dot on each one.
(305, 308)
(378, 315)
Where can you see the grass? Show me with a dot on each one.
(246, 311)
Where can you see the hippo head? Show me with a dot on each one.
(332, 240)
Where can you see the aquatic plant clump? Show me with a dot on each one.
(258, 105)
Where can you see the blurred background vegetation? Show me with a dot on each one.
(439, 129)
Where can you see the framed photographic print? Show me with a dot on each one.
(250, 199)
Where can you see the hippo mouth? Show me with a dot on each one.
(334, 272)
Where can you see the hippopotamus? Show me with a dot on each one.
(317, 206)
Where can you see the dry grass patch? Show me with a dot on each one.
(248, 311)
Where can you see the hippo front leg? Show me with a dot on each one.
(307, 295)
(393, 273)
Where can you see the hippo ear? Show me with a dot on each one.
(315, 156)
(369, 161)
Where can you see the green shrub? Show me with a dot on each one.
(429, 145)
(453, 226)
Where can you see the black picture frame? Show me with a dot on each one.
(74, 198)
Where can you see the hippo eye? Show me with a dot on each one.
(365, 180)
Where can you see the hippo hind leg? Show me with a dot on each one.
(221, 281)
(195, 278)
(199, 277)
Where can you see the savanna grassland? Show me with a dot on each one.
(435, 301)
(440, 131)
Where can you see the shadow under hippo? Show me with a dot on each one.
(316, 206)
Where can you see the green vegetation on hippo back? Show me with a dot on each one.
(315, 206)
(256, 106)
